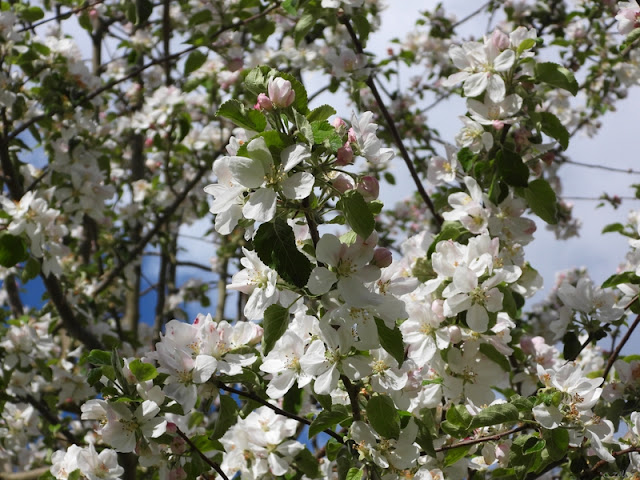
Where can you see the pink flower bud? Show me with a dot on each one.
(177, 473)
(351, 136)
(345, 155)
(171, 427)
(455, 334)
(178, 446)
(342, 183)
(338, 123)
(382, 257)
(526, 343)
(148, 142)
(264, 103)
(500, 40)
(369, 188)
(280, 92)
(498, 124)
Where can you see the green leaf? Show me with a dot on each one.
(459, 416)
(526, 45)
(363, 28)
(493, 354)
(203, 16)
(99, 357)
(323, 112)
(203, 443)
(289, 6)
(144, 8)
(143, 371)
(625, 277)
(391, 340)
(556, 76)
(12, 250)
(383, 416)
(32, 14)
(227, 416)
(542, 200)
(354, 474)
(31, 270)
(194, 61)
(307, 463)
(536, 447)
(453, 455)
(512, 169)
(304, 26)
(557, 442)
(276, 320)
(572, 346)
(495, 415)
(449, 231)
(235, 111)
(613, 227)
(275, 244)
(553, 127)
(304, 127)
(327, 419)
(255, 81)
(424, 438)
(357, 213)
(325, 134)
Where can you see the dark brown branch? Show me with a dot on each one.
(256, 398)
(475, 441)
(394, 130)
(206, 459)
(602, 463)
(13, 295)
(139, 247)
(352, 391)
(616, 352)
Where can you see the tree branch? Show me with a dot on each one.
(616, 352)
(206, 459)
(475, 441)
(256, 398)
(28, 475)
(394, 130)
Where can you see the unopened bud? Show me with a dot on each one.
(369, 188)
(339, 123)
(455, 334)
(351, 134)
(280, 92)
(526, 344)
(382, 257)
(342, 183)
(171, 427)
(500, 39)
(345, 155)
(264, 103)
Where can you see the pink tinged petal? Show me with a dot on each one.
(328, 250)
(293, 155)
(321, 280)
(298, 186)
(205, 367)
(476, 84)
(504, 61)
(547, 416)
(246, 171)
(259, 152)
(478, 318)
(326, 382)
(261, 205)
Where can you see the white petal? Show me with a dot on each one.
(504, 61)
(293, 155)
(476, 84)
(321, 280)
(261, 205)
(204, 367)
(328, 250)
(298, 186)
(247, 171)
(548, 417)
(477, 318)
(258, 150)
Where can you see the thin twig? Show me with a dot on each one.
(394, 130)
(602, 463)
(475, 441)
(599, 167)
(256, 398)
(206, 459)
(616, 352)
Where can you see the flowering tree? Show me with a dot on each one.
(366, 341)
